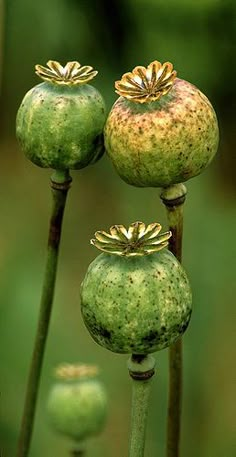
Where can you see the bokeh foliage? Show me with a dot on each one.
(114, 36)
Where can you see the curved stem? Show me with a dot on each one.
(173, 198)
(141, 370)
(60, 183)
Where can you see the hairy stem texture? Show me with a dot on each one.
(141, 371)
(173, 198)
(60, 185)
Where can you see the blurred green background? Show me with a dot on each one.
(113, 37)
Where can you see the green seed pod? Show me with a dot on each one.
(133, 298)
(162, 130)
(60, 121)
(77, 403)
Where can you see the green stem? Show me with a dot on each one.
(141, 370)
(60, 183)
(173, 198)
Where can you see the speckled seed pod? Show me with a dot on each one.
(77, 403)
(135, 299)
(60, 121)
(162, 130)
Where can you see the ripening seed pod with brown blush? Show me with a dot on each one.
(162, 130)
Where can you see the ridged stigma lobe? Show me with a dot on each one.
(138, 240)
(70, 75)
(71, 372)
(144, 85)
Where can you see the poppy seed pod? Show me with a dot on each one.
(162, 130)
(135, 297)
(77, 403)
(60, 121)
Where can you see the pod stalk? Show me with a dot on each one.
(173, 198)
(60, 183)
(141, 370)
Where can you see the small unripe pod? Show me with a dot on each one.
(77, 403)
(60, 121)
(133, 298)
(162, 130)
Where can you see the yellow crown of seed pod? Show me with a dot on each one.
(144, 85)
(72, 372)
(137, 240)
(72, 73)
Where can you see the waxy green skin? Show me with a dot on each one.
(61, 127)
(165, 142)
(77, 409)
(136, 304)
